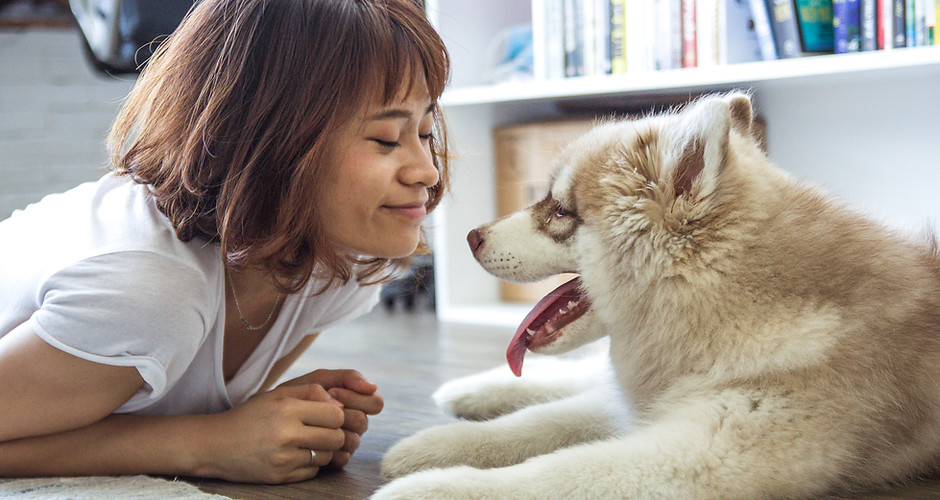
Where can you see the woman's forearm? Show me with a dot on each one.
(116, 445)
(267, 439)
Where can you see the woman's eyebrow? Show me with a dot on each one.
(399, 113)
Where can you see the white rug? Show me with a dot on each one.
(101, 487)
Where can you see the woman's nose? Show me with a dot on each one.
(420, 168)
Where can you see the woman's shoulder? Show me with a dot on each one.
(112, 219)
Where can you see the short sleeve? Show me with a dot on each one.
(128, 309)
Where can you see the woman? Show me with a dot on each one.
(272, 165)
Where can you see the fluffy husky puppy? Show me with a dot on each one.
(765, 341)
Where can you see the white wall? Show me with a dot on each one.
(54, 114)
(871, 139)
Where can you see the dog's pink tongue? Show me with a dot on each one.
(545, 307)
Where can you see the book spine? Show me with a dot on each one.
(688, 34)
(640, 32)
(539, 41)
(932, 11)
(706, 33)
(880, 35)
(602, 36)
(554, 36)
(675, 32)
(920, 23)
(663, 35)
(846, 26)
(574, 64)
(738, 42)
(910, 16)
(588, 28)
(899, 23)
(765, 35)
(868, 25)
(618, 37)
(784, 27)
(816, 29)
(853, 25)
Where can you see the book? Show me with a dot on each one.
(588, 27)
(523, 158)
(737, 38)
(667, 34)
(706, 32)
(573, 38)
(689, 44)
(602, 53)
(867, 25)
(899, 25)
(846, 26)
(815, 23)
(548, 54)
(765, 35)
(785, 29)
(641, 30)
(881, 34)
(920, 23)
(910, 23)
(618, 37)
(933, 11)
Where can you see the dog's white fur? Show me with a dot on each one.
(765, 341)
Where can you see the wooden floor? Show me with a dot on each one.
(409, 355)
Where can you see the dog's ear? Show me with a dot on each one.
(701, 141)
(742, 116)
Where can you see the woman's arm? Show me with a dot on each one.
(265, 440)
(56, 419)
(46, 390)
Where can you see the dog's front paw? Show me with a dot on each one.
(453, 483)
(481, 396)
(441, 446)
(427, 449)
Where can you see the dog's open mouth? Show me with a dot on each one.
(546, 320)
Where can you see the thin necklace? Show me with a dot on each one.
(238, 307)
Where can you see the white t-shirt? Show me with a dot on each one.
(98, 272)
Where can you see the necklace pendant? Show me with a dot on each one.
(245, 324)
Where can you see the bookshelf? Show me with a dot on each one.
(864, 126)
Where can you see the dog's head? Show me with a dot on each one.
(627, 204)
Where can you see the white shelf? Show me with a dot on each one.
(695, 78)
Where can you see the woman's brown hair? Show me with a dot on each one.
(230, 122)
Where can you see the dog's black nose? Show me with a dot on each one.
(474, 239)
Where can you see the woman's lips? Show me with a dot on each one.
(410, 210)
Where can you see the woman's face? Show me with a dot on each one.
(374, 201)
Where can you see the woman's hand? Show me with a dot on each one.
(268, 438)
(358, 398)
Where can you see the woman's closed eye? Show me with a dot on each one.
(394, 144)
(386, 144)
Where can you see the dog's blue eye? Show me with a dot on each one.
(561, 212)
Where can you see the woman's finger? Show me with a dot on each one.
(371, 404)
(319, 438)
(355, 421)
(315, 458)
(327, 415)
(340, 459)
(352, 442)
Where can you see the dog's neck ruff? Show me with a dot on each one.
(546, 320)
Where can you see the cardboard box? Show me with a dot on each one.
(524, 155)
